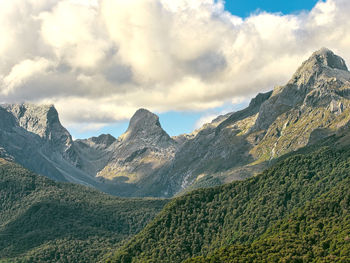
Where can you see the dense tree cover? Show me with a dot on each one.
(46, 221)
(317, 232)
(240, 213)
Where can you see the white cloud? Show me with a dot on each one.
(110, 57)
(73, 32)
(22, 72)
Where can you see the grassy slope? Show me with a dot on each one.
(45, 221)
(238, 213)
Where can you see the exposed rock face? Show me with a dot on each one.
(315, 98)
(312, 84)
(43, 121)
(145, 161)
(144, 128)
(34, 137)
(103, 141)
(143, 148)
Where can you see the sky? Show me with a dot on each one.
(98, 61)
(246, 8)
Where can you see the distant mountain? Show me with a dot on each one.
(314, 104)
(33, 136)
(46, 221)
(146, 161)
(141, 150)
(295, 211)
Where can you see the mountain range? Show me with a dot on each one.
(269, 183)
(146, 161)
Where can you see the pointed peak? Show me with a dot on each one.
(143, 112)
(326, 57)
(321, 62)
(145, 118)
(145, 128)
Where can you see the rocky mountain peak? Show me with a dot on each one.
(317, 82)
(144, 147)
(145, 126)
(326, 57)
(320, 64)
(34, 118)
(42, 120)
(143, 119)
(144, 131)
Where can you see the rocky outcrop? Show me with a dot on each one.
(94, 153)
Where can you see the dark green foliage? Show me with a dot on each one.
(46, 221)
(317, 232)
(239, 213)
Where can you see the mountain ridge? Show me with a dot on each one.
(146, 161)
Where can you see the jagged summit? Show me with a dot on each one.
(326, 57)
(34, 118)
(145, 126)
(143, 148)
(143, 119)
(42, 120)
(146, 161)
(322, 63)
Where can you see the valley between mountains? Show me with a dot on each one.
(269, 183)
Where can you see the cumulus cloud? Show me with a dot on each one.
(100, 60)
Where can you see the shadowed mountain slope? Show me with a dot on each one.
(46, 221)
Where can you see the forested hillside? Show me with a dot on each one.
(45, 221)
(317, 232)
(241, 213)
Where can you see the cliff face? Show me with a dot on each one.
(145, 161)
(33, 136)
(43, 121)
